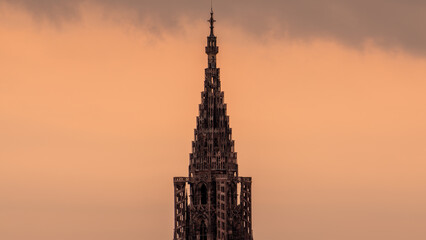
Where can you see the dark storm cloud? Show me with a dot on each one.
(389, 23)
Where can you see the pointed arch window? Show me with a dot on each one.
(203, 231)
(203, 194)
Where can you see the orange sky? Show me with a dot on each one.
(97, 116)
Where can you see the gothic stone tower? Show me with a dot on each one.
(213, 202)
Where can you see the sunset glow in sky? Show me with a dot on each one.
(326, 99)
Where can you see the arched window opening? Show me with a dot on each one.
(203, 194)
(203, 231)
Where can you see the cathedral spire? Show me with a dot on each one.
(213, 202)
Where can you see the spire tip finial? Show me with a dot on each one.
(211, 20)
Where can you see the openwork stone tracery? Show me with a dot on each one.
(213, 202)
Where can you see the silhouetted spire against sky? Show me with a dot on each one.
(213, 202)
(103, 101)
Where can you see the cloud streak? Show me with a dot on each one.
(392, 24)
